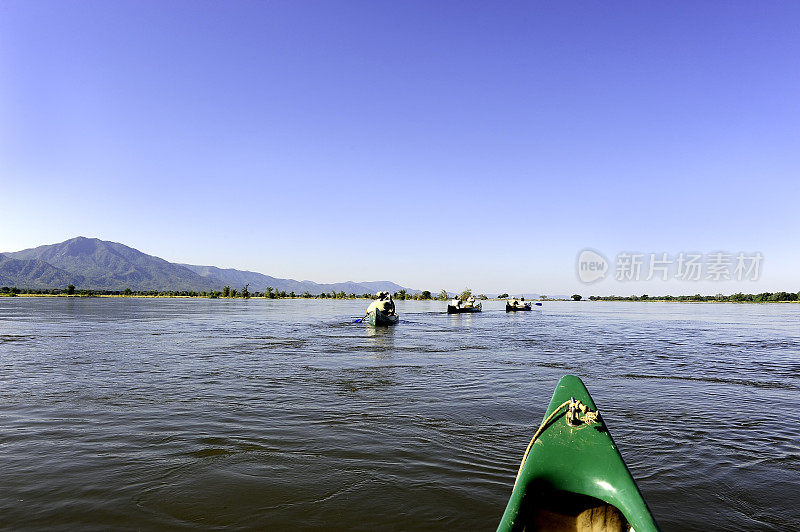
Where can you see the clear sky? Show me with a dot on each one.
(435, 144)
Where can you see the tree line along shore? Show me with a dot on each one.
(763, 297)
(270, 293)
(226, 292)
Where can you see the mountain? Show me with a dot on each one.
(259, 282)
(33, 273)
(91, 263)
(96, 264)
(376, 286)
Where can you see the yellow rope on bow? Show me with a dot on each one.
(588, 418)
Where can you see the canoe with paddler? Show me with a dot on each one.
(458, 305)
(512, 305)
(382, 311)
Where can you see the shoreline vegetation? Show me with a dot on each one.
(244, 293)
(763, 297)
(226, 293)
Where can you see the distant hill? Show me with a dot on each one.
(33, 273)
(97, 264)
(94, 264)
(259, 282)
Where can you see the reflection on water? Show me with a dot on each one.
(381, 336)
(285, 414)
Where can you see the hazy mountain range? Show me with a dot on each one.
(94, 264)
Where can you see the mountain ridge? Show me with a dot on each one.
(32, 273)
(91, 263)
(260, 281)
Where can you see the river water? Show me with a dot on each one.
(123, 413)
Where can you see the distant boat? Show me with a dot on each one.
(514, 308)
(572, 476)
(452, 309)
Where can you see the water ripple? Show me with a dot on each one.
(277, 414)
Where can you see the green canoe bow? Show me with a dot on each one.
(378, 317)
(574, 478)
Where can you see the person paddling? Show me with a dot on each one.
(384, 303)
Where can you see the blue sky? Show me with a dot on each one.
(436, 144)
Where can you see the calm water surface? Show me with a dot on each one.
(187, 414)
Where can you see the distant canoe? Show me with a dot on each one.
(572, 476)
(452, 309)
(380, 318)
(510, 308)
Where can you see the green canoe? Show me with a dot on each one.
(572, 476)
(512, 308)
(378, 317)
(452, 309)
